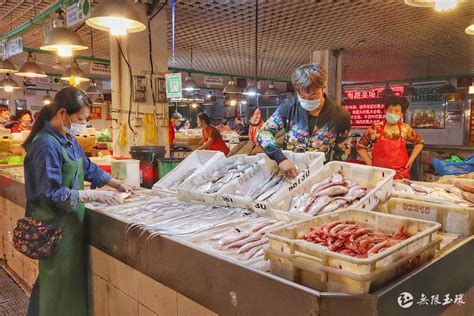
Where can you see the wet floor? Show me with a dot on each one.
(13, 301)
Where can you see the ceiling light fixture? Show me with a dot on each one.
(118, 17)
(31, 69)
(471, 89)
(231, 87)
(99, 99)
(92, 89)
(470, 29)
(251, 90)
(7, 67)
(62, 40)
(8, 84)
(74, 74)
(271, 91)
(438, 5)
(47, 99)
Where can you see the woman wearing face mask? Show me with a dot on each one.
(311, 120)
(212, 139)
(55, 170)
(388, 140)
(24, 119)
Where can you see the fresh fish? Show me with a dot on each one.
(318, 204)
(356, 192)
(183, 178)
(253, 244)
(317, 186)
(332, 206)
(421, 188)
(399, 186)
(332, 191)
(298, 201)
(337, 177)
(272, 190)
(351, 182)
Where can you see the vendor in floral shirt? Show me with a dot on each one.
(388, 138)
(311, 120)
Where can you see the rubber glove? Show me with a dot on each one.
(106, 197)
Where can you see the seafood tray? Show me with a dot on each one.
(263, 184)
(203, 185)
(376, 181)
(447, 194)
(452, 180)
(453, 218)
(318, 267)
(198, 159)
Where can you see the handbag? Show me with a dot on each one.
(36, 239)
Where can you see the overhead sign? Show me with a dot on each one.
(78, 12)
(365, 105)
(174, 86)
(213, 81)
(13, 46)
(99, 69)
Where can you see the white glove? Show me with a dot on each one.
(106, 197)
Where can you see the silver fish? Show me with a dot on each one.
(334, 205)
(318, 204)
(332, 191)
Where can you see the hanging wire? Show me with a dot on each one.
(256, 50)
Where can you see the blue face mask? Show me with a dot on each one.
(309, 105)
(392, 118)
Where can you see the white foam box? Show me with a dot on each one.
(379, 180)
(199, 160)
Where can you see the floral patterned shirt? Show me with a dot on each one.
(330, 134)
(373, 133)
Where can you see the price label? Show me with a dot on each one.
(427, 213)
(300, 179)
(261, 206)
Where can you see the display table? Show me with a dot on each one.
(165, 275)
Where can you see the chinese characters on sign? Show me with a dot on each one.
(366, 105)
(406, 300)
(96, 113)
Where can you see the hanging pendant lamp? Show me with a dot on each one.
(7, 67)
(62, 40)
(74, 74)
(99, 100)
(31, 69)
(470, 29)
(118, 17)
(93, 89)
(271, 91)
(47, 99)
(8, 84)
(231, 87)
(438, 5)
(251, 90)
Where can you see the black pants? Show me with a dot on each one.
(33, 307)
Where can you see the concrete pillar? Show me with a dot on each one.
(136, 49)
(331, 59)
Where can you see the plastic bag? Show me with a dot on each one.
(444, 168)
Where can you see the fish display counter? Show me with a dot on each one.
(212, 258)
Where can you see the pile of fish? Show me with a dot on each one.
(231, 170)
(328, 195)
(266, 189)
(245, 241)
(352, 239)
(458, 193)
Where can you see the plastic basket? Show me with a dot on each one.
(454, 219)
(416, 197)
(198, 160)
(317, 267)
(379, 180)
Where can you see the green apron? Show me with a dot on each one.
(63, 277)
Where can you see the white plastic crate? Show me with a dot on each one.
(317, 267)
(308, 163)
(186, 191)
(199, 159)
(379, 180)
(453, 218)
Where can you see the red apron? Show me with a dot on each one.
(391, 154)
(217, 144)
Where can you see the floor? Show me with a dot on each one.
(13, 301)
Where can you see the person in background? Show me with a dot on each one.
(212, 139)
(223, 127)
(173, 125)
(239, 126)
(185, 126)
(4, 115)
(55, 170)
(311, 120)
(24, 120)
(388, 139)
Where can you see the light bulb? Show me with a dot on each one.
(194, 105)
(233, 102)
(46, 102)
(243, 102)
(117, 26)
(64, 51)
(444, 5)
(8, 88)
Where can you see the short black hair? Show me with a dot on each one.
(20, 113)
(4, 107)
(396, 100)
(204, 117)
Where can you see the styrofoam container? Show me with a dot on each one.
(186, 191)
(199, 159)
(310, 161)
(317, 267)
(379, 180)
(453, 218)
(127, 170)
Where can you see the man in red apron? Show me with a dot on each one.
(388, 140)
